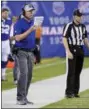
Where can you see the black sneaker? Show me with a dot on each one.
(29, 102)
(70, 96)
(77, 96)
(21, 102)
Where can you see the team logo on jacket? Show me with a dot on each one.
(58, 7)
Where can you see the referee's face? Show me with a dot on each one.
(29, 14)
(77, 19)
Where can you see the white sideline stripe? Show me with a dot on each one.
(44, 92)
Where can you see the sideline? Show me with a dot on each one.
(44, 92)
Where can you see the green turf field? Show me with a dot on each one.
(47, 69)
(82, 102)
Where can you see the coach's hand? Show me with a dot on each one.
(33, 28)
(25, 34)
(70, 55)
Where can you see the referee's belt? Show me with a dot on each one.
(26, 49)
(76, 46)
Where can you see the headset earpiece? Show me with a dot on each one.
(23, 11)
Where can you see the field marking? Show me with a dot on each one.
(44, 92)
(47, 65)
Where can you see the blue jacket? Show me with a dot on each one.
(20, 27)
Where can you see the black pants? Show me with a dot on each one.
(37, 52)
(74, 69)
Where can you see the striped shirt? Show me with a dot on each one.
(75, 34)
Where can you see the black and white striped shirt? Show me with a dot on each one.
(75, 34)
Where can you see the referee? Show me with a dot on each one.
(74, 37)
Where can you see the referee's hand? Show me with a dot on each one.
(70, 55)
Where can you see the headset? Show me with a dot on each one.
(23, 11)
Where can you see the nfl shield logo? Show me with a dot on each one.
(58, 7)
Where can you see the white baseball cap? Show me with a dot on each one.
(28, 7)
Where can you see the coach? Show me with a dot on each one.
(25, 44)
(74, 37)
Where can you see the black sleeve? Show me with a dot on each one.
(66, 31)
(84, 32)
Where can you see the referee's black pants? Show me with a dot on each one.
(74, 69)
